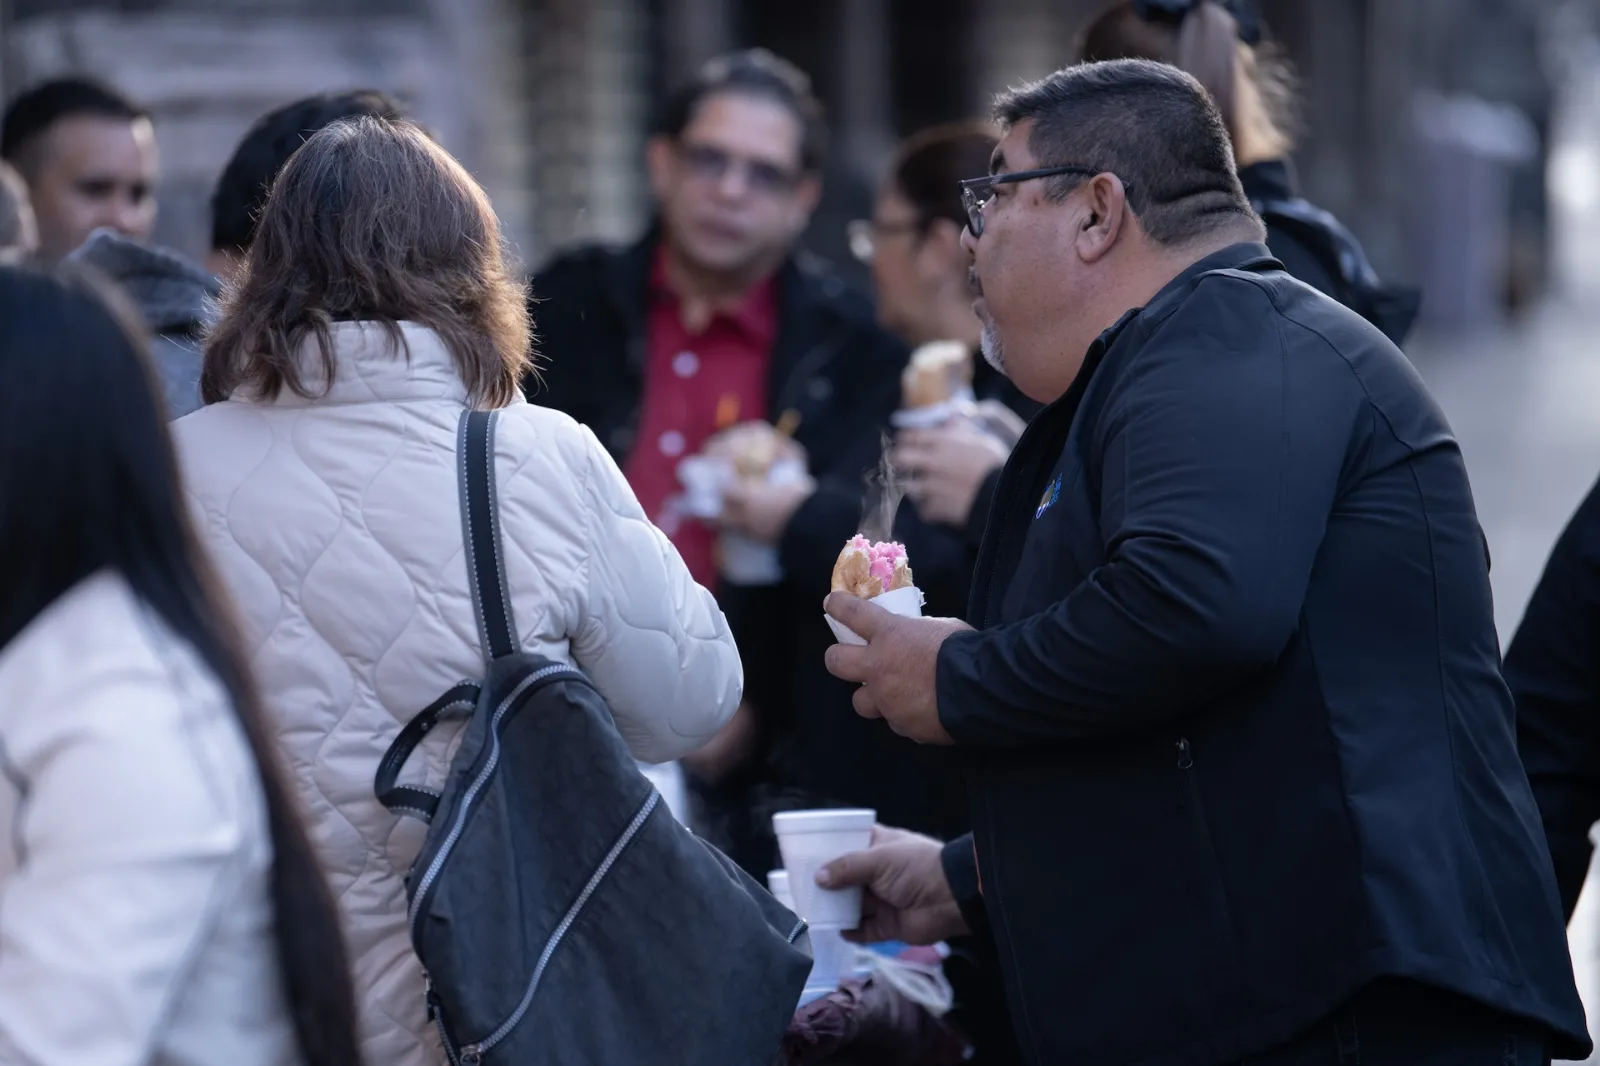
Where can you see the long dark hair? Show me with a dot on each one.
(88, 482)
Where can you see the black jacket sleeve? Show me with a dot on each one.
(1553, 667)
(1213, 504)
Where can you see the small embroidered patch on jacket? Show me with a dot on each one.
(1048, 500)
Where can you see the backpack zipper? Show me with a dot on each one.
(478, 782)
(472, 1054)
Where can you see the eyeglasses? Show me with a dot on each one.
(711, 164)
(863, 235)
(977, 192)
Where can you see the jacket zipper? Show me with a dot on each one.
(478, 782)
(472, 1054)
(1185, 754)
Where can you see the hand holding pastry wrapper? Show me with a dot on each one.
(935, 386)
(749, 450)
(877, 572)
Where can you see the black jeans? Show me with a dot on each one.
(1403, 1023)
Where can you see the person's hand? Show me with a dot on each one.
(730, 749)
(945, 466)
(898, 667)
(1000, 420)
(760, 510)
(905, 894)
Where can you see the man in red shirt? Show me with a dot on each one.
(712, 319)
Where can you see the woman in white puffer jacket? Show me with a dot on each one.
(160, 903)
(374, 308)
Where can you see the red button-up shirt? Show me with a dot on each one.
(696, 384)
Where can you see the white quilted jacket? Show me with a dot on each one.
(336, 525)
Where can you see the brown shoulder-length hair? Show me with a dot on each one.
(370, 220)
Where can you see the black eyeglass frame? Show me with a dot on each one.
(971, 186)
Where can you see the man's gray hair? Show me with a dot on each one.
(1150, 124)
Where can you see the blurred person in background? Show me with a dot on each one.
(1222, 43)
(919, 273)
(373, 310)
(1553, 667)
(159, 898)
(712, 320)
(174, 295)
(19, 234)
(89, 157)
(247, 178)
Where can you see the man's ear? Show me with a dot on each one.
(1105, 217)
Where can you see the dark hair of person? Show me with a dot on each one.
(90, 483)
(1204, 40)
(32, 114)
(1148, 123)
(931, 164)
(752, 72)
(266, 147)
(370, 221)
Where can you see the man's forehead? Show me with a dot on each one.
(746, 123)
(101, 142)
(1013, 153)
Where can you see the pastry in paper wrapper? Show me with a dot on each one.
(878, 572)
(935, 386)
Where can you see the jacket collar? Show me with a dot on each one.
(368, 368)
(1271, 180)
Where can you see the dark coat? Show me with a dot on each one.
(1553, 667)
(1234, 719)
(841, 371)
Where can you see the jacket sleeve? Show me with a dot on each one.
(652, 641)
(1213, 503)
(126, 856)
(1553, 668)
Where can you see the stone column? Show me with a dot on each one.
(588, 100)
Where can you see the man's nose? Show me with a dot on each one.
(969, 243)
(734, 181)
(126, 215)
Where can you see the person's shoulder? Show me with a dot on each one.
(530, 430)
(821, 285)
(580, 268)
(93, 631)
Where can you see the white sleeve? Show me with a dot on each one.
(653, 642)
(123, 853)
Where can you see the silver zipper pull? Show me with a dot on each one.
(472, 1055)
(1185, 756)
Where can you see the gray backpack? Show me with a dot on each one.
(562, 914)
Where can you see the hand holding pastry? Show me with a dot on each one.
(944, 467)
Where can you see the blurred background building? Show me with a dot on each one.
(1427, 121)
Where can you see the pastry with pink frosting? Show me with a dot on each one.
(867, 569)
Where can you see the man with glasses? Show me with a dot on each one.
(1243, 774)
(712, 320)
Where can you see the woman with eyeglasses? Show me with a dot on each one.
(919, 272)
(1225, 47)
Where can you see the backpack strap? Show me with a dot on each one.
(413, 800)
(480, 532)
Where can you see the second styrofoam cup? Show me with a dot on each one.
(809, 840)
